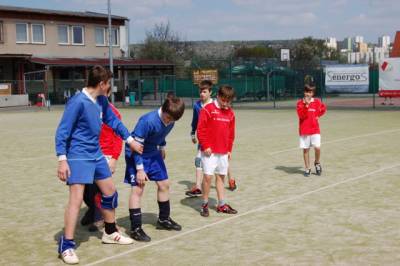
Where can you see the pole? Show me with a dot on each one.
(110, 50)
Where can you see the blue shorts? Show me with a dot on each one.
(87, 171)
(154, 167)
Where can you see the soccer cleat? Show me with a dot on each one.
(69, 256)
(307, 172)
(226, 209)
(139, 235)
(168, 224)
(232, 184)
(318, 168)
(204, 210)
(88, 217)
(194, 192)
(116, 238)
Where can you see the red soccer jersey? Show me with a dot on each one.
(308, 116)
(111, 143)
(216, 128)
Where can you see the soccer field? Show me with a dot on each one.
(348, 216)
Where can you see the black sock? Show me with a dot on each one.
(110, 228)
(136, 218)
(164, 210)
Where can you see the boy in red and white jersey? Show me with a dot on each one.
(216, 133)
(309, 110)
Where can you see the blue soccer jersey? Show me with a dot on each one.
(77, 135)
(196, 112)
(151, 132)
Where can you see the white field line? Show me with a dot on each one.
(343, 139)
(262, 208)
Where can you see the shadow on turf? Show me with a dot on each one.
(195, 202)
(82, 233)
(290, 170)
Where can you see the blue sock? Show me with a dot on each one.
(64, 244)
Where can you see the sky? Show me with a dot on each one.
(221, 20)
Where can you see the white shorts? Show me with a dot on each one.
(308, 141)
(215, 164)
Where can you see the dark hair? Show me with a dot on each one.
(207, 83)
(170, 94)
(174, 106)
(226, 92)
(98, 74)
(309, 88)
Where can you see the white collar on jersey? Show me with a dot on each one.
(217, 104)
(84, 91)
(160, 115)
(209, 101)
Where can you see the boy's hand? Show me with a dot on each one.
(141, 178)
(229, 155)
(63, 171)
(136, 146)
(194, 140)
(208, 152)
(112, 163)
(163, 153)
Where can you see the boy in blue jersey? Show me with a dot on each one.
(81, 160)
(205, 90)
(151, 131)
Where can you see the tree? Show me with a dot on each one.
(308, 52)
(255, 52)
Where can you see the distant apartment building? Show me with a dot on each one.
(50, 51)
(331, 43)
(384, 42)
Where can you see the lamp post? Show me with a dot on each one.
(110, 50)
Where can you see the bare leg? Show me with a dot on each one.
(206, 187)
(163, 190)
(199, 177)
(107, 188)
(72, 210)
(317, 154)
(219, 183)
(135, 197)
(306, 156)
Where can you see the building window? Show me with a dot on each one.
(38, 34)
(100, 36)
(1, 32)
(78, 35)
(63, 36)
(22, 32)
(114, 36)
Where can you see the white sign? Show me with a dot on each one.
(389, 77)
(285, 55)
(347, 78)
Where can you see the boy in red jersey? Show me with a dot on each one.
(309, 110)
(216, 133)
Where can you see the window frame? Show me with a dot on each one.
(68, 37)
(27, 33)
(73, 37)
(1, 32)
(104, 36)
(43, 31)
(117, 37)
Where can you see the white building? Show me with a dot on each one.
(331, 42)
(384, 42)
(359, 39)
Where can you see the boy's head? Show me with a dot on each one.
(309, 90)
(205, 89)
(172, 109)
(225, 96)
(99, 78)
